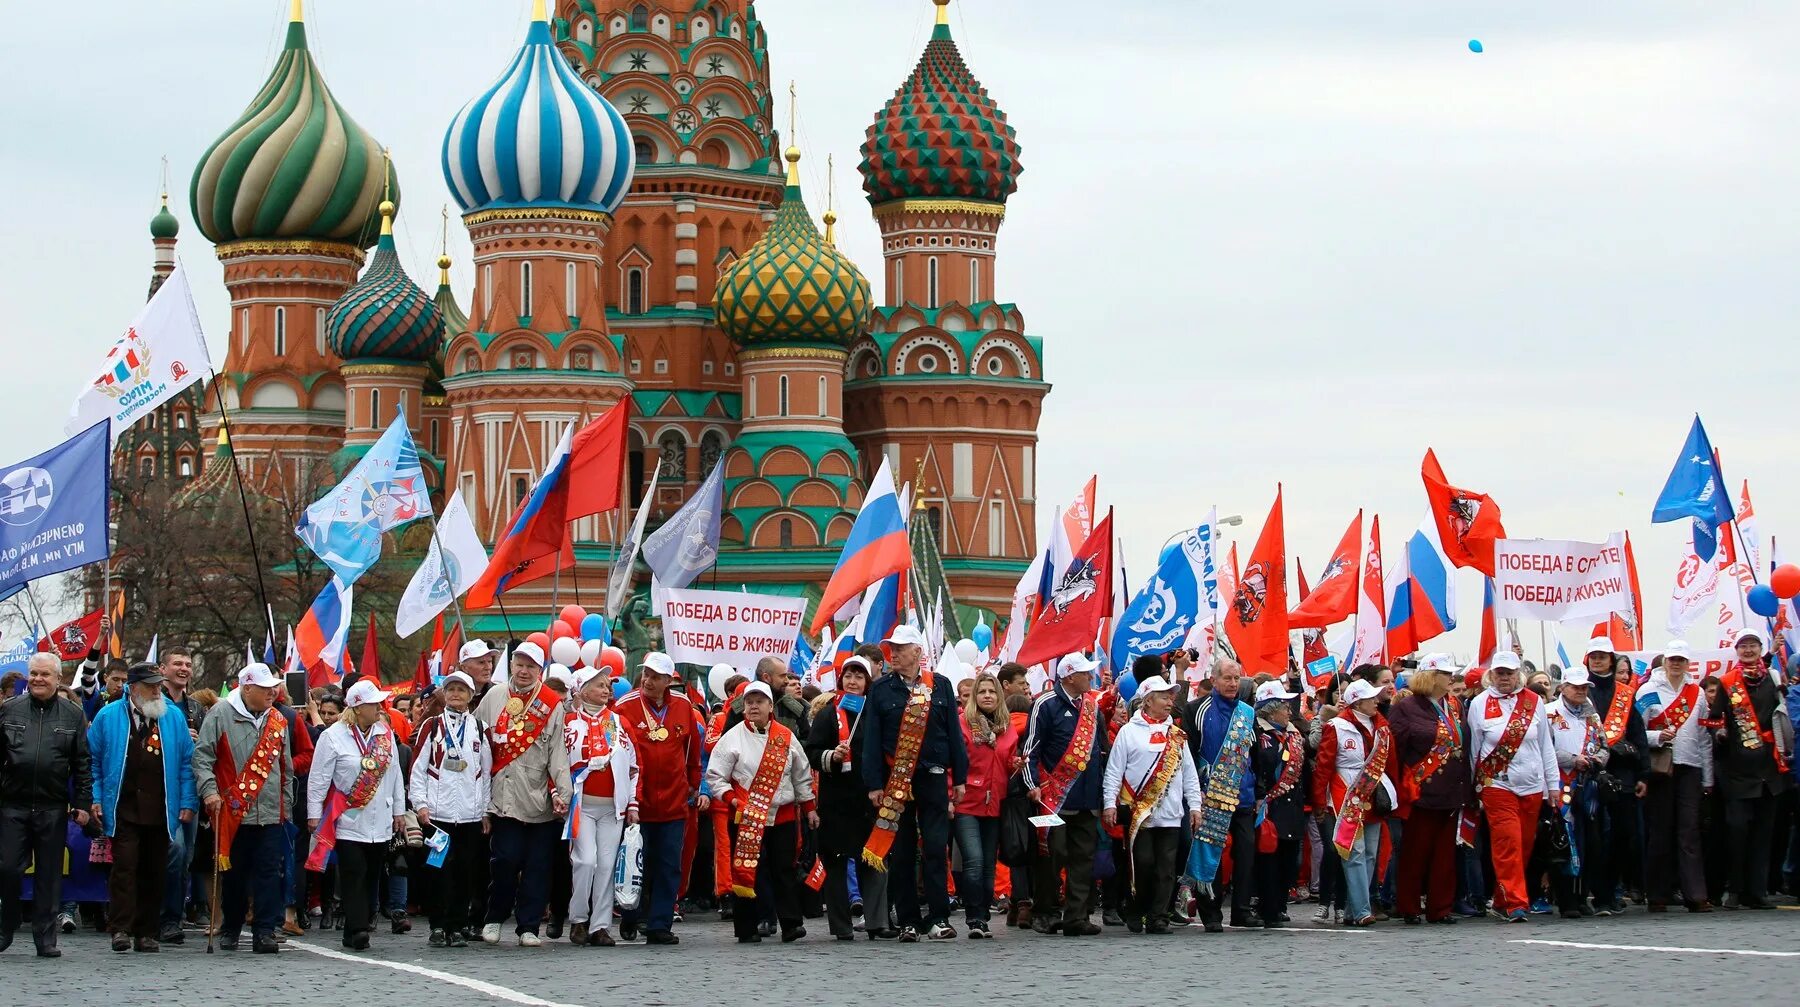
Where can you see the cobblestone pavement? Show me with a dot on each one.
(1638, 959)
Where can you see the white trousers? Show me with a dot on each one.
(593, 856)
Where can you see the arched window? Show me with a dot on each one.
(786, 532)
(471, 362)
(781, 408)
(718, 18)
(712, 447)
(569, 294)
(640, 18)
(974, 280)
(319, 342)
(644, 149)
(525, 289)
(823, 411)
(521, 489)
(147, 466)
(186, 468)
(899, 296)
(931, 282)
(634, 291)
(434, 437)
(181, 421)
(674, 456)
(281, 332)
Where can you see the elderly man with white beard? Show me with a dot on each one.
(144, 786)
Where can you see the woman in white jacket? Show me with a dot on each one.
(603, 772)
(355, 797)
(451, 776)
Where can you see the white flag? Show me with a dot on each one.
(162, 352)
(445, 573)
(1696, 581)
(618, 580)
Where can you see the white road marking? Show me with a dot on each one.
(479, 986)
(1665, 948)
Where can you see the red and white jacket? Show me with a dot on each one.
(1344, 745)
(600, 741)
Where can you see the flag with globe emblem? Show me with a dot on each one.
(384, 491)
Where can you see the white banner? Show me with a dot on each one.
(162, 352)
(1557, 581)
(726, 627)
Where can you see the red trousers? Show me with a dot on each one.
(1512, 829)
(1428, 860)
(690, 837)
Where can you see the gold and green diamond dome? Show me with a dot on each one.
(793, 286)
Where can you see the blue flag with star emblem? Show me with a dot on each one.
(385, 490)
(1696, 489)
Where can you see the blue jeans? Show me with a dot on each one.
(976, 839)
(1357, 867)
(290, 885)
(662, 875)
(175, 881)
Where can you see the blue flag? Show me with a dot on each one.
(688, 543)
(1161, 614)
(802, 661)
(384, 491)
(1696, 489)
(53, 509)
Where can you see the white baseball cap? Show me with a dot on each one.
(460, 678)
(474, 649)
(1576, 676)
(658, 662)
(365, 692)
(1677, 648)
(1438, 662)
(1357, 691)
(1505, 660)
(1155, 683)
(1076, 664)
(1270, 691)
(759, 689)
(1750, 633)
(560, 673)
(258, 675)
(1601, 645)
(584, 675)
(858, 662)
(904, 635)
(532, 651)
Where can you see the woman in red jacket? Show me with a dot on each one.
(993, 747)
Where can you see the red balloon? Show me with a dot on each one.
(613, 660)
(572, 615)
(541, 639)
(1785, 580)
(560, 629)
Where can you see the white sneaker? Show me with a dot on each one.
(1323, 915)
(490, 934)
(529, 939)
(941, 932)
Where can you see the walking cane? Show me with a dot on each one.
(212, 927)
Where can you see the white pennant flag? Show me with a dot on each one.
(162, 352)
(618, 581)
(446, 573)
(1696, 581)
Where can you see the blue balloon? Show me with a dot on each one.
(620, 688)
(1763, 601)
(983, 635)
(1127, 686)
(593, 626)
(1474, 45)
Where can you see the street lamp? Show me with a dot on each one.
(1234, 520)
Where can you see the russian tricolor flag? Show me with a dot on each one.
(319, 639)
(877, 548)
(1422, 604)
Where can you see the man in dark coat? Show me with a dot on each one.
(845, 813)
(1748, 768)
(1070, 848)
(45, 771)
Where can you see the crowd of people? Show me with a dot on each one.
(506, 797)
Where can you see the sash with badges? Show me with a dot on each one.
(1497, 761)
(1356, 802)
(899, 782)
(1751, 734)
(1224, 782)
(520, 724)
(1618, 712)
(377, 755)
(755, 807)
(1676, 714)
(1445, 745)
(1144, 799)
(1074, 759)
(240, 788)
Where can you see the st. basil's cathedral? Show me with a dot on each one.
(639, 232)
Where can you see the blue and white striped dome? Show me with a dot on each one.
(539, 136)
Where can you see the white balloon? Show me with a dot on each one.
(565, 651)
(968, 653)
(716, 678)
(559, 673)
(590, 653)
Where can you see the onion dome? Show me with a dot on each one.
(792, 286)
(294, 165)
(164, 226)
(385, 315)
(539, 137)
(940, 136)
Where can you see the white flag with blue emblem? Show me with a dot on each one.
(453, 563)
(688, 543)
(384, 491)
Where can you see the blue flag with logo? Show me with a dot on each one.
(802, 661)
(384, 491)
(1696, 489)
(688, 543)
(1170, 605)
(53, 509)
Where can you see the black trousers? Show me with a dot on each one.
(871, 884)
(1154, 862)
(1672, 819)
(519, 871)
(1275, 876)
(447, 889)
(1243, 871)
(777, 882)
(562, 881)
(359, 864)
(1070, 848)
(1750, 824)
(135, 885)
(27, 836)
(1616, 826)
(924, 833)
(258, 862)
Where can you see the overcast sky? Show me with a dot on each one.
(1296, 241)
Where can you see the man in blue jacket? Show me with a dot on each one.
(144, 768)
(921, 818)
(1065, 766)
(1209, 723)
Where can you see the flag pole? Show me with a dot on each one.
(444, 565)
(237, 472)
(44, 623)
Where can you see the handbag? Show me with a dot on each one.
(1017, 843)
(1609, 787)
(1552, 836)
(1662, 761)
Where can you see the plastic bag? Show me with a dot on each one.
(628, 877)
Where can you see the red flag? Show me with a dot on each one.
(1300, 579)
(597, 463)
(1257, 620)
(1468, 522)
(421, 679)
(1335, 598)
(1627, 631)
(371, 662)
(1078, 520)
(1081, 599)
(75, 638)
